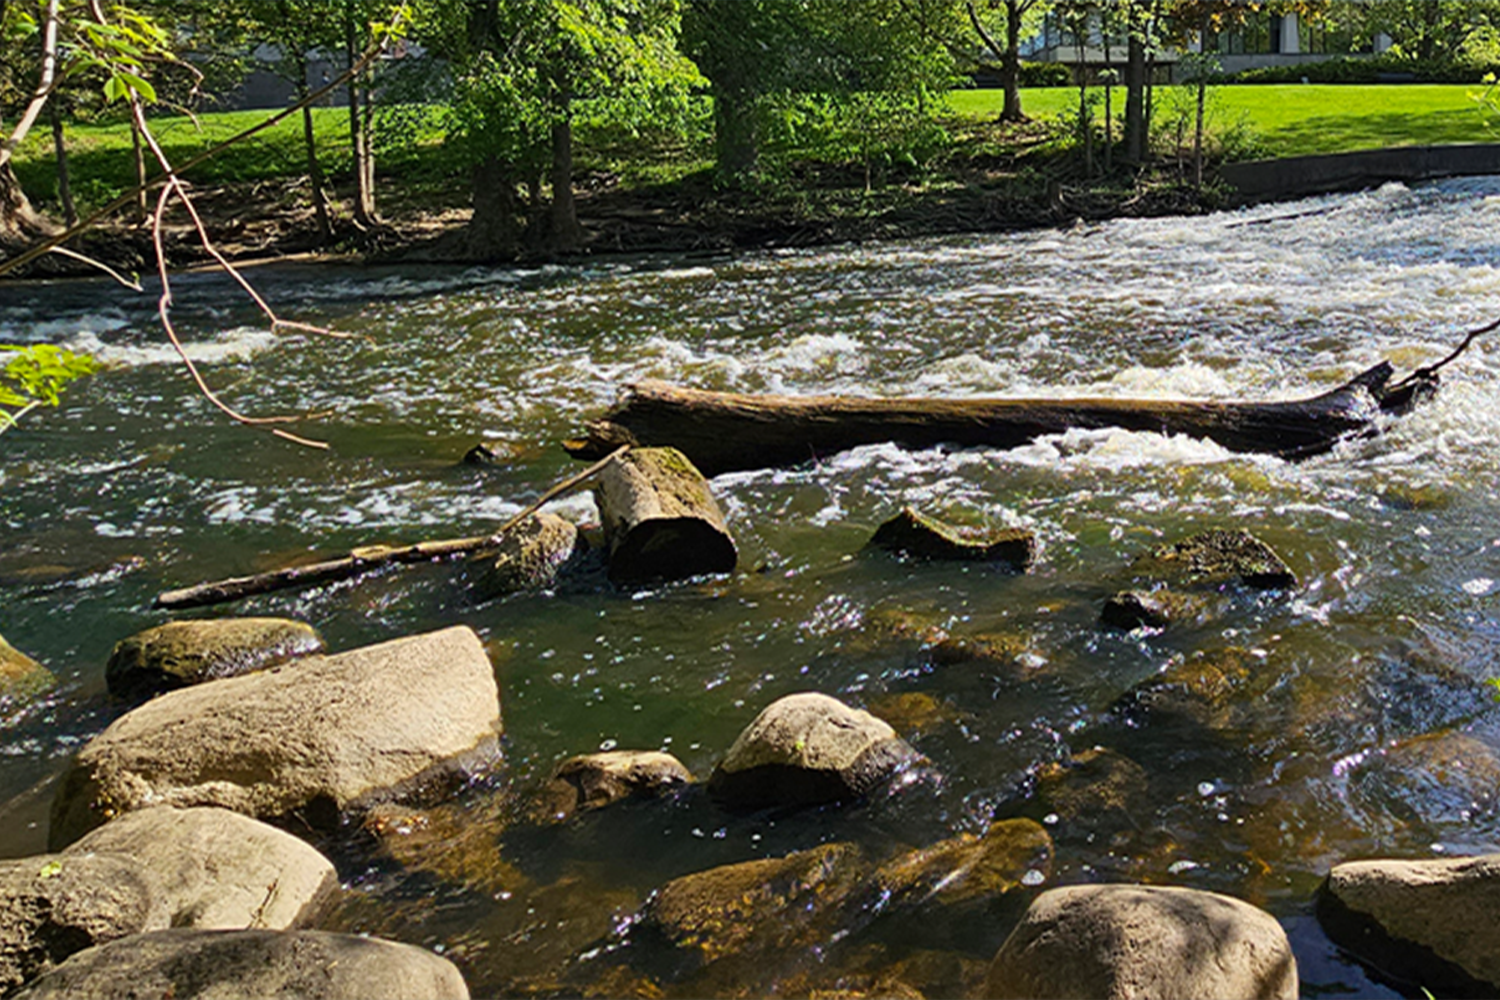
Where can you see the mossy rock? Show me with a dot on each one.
(595, 780)
(21, 677)
(1221, 556)
(1203, 691)
(912, 533)
(533, 555)
(183, 653)
(1010, 854)
(1095, 788)
(1154, 609)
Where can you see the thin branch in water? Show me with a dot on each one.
(130, 283)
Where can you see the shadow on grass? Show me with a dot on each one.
(1342, 133)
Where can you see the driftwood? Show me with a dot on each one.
(660, 519)
(363, 560)
(728, 432)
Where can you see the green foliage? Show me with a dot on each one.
(35, 376)
(1045, 74)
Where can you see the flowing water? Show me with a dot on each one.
(1360, 723)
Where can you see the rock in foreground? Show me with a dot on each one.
(808, 749)
(1431, 921)
(318, 738)
(312, 965)
(180, 654)
(915, 534)
(216, 869)
(1128, 941)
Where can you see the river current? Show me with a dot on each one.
(1367, 726)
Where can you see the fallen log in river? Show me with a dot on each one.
(729, 432)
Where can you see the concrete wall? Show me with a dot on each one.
(1269, 180)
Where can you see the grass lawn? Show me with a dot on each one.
(1295, 119)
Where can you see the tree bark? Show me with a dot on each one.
(660, 519)
(138, 152)
(736, 134)
(564, 234)
(726, 432)
(359, 135)
(20, 224)
(496, 228)
(321, 210)
(1135, 94)
(60, 151)
(1010, 65)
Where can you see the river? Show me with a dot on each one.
(1365, 725)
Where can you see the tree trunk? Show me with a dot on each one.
(60, 150)
(359, 138)
(1135, 95)
(564, 234)
(20, 224)
(495, 229)
(142, 205)
(1010, 64)
(315, 173)
(736, 134)
(660, 519)
(727, 432)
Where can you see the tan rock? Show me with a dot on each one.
(182, 653)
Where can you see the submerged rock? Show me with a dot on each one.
(1095, 789)
(213, 868)
(1220, 556)
(313, 965)
(53, 905)
(772, 903)
(20, 675)
(1125, 941)
(1133, 609)
(595, 780)
(808, 749)
(1011, 853)
(660, 518)
(1429, 921)
(183, 653)
(1448, 783)
(914, 534)
(1204, 691)
(531, 556)
(324, 736)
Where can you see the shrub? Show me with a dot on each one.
(1388, 68)
(1043, 74)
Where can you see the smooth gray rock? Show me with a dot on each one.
(183, 653)
(1445, 907)
(1121, 942)
(318, 738)
(807, 749)
(216, 869)
(309, 965)
(53, 905)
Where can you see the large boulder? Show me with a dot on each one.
(53, 905)
(530, 556)
(595, 780)
(1125, 941)
(312, 965)
(1431, 921)
(808, 749)
(183, 653)
(20, 675)
(319, 738)
(912, 533)
(213, 868)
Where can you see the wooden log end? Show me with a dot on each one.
(671, 548)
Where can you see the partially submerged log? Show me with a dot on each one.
(660, 519)
(727, 432)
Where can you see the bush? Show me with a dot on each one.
(1042, 74)
(1387, 68)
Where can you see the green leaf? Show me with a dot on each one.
(140, 86)
(51, 869)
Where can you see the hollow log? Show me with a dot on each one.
(660, 519)
(729, 432)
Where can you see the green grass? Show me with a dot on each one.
(1296, 119)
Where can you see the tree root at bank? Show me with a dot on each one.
(728, 432)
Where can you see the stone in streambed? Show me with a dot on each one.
(1133, 609)
(595, 780)
(213, 868)
(52, 905)
(20, 675)
(1429, 921)
(660, 519)
(1009, 854)
(182, 653)
(533, 555)
(1123, 941)
(1220, 556)
(311, 965)
(914, 534)
(808, 749)
(318, 738)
